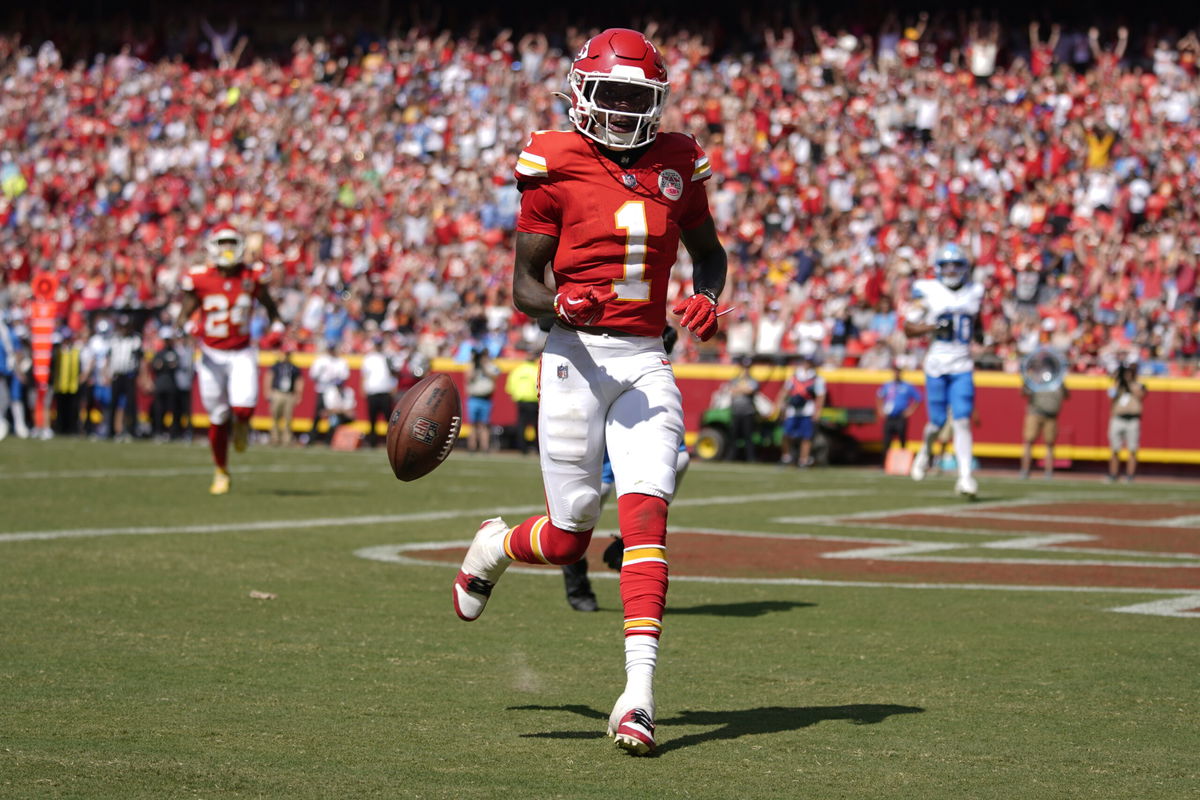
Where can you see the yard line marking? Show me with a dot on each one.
(381, 519)
(395, 554)
(1187, 607)
(146, 472)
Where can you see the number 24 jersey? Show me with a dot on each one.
(226, 300)
(618, 227)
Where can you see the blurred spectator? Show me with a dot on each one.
(379, 385)
(8, 366)
(1125, 423)
(742, 389)
(327, 371)
(801, 400)
(164, 370)
(1043, 406)
(66, 380)
(481, 384)
(284, 385)
(340, 403)
(96, 382)
(522, 387)
(375, 181)
(895, 402)
(124, 366)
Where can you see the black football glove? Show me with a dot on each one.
(614, 553)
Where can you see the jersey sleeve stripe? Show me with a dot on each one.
(702, 169)
(531, 164)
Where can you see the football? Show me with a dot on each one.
(423, 427)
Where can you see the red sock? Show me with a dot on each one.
(218, 440)
(643, 521)
(243, 412)
(538, 541)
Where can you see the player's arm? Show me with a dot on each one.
(268, 303)
(534, 253)
(191, 302)
(710, 263)
(914, 324)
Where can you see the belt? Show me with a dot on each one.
(596, 329)
(1129, 416)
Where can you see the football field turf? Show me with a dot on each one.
(829, 634)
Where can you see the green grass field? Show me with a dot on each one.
(135, 663)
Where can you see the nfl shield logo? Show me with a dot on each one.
(562, 372)
(424, 430)
(629, 180)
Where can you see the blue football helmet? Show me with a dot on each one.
(952, 265)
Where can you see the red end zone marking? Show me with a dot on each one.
(697, 554)
(1116, 511)
(1110, 536)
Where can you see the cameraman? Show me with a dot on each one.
(1125, 424)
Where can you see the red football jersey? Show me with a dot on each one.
(617, 227)
(226, 300)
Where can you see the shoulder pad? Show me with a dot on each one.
(532, 163)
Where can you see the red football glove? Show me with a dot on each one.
(581, 305)
(699, 315)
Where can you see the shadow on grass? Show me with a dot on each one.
(733, 724)
(738, 609)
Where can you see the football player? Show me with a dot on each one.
(575, 576)
(948, 308)
(607, 204)
(224, 290)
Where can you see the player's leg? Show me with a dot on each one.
(1049, 436)
(575, 579)
(212, 372)
(936, 406)
(1133, 432)
(962, 406)
(571, 441)
(243, 393)
(644, 448)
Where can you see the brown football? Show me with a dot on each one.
(424, 426)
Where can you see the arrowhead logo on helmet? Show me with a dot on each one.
(619, 89)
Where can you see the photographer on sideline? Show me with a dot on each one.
(1125, 425)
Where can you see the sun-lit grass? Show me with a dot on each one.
(136, 664)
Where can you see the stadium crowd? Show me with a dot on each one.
(374, 177)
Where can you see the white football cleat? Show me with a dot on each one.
(480, 570)
(631, 725)
(920, 465)
(967, 487)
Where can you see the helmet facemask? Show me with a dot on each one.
(226, 248)
(953, 273)
(620, 109)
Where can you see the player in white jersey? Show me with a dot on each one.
(948, 308)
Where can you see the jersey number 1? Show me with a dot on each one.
(631, 218)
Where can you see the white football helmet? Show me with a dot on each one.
(952, 265)
(226, 247)
(619, 89)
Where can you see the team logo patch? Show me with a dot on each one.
(424, 430)
(562, 372)
(670, 183)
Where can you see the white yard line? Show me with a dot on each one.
(166, 472)
(381, 519)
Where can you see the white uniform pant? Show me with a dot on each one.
(228, 379)
(598, 390)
